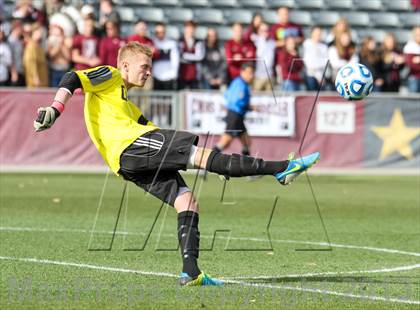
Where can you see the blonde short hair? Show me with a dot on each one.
(133, 48)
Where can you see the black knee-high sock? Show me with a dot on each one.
(236, 165)
(189, 240)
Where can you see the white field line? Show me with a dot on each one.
(88, 266)
(330, 273)
(335, 245)
(164, 274)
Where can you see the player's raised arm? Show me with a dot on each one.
(47, 115)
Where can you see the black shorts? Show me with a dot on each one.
(235, 125)
(153, 160)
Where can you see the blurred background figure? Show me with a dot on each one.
(85, 47)
(252, 29)
(64, 14)
(107, 12)
(290, 65)
(25, 10)
(370, 57)
(264, 64)
(34, 60)
(59, 54)
(315, 57)
(342, 52)
(392, 62)
(191, 54)
(412, 59)
(416, 5)
(340, 27)
(87, 12)
(284, 28)
(110, 44)
(15, 41)
(54, 6)
(237, 52)
(5, 59)
(165, 67)
(27, 31)
(65, 22)
(213, 66)
(141, 35)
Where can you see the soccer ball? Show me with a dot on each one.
(354, 81)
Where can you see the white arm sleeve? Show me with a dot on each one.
(175, 57)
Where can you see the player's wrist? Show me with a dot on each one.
(58, 107)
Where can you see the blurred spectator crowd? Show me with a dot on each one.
(38, 45)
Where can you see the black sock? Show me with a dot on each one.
(236, 165)
(245, 151)
(189, 240)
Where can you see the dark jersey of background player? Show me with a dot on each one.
(237, 52)
(191, 54)
(140, 36)
(110, 44)
(85, 49)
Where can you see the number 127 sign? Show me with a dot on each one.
(333, 117)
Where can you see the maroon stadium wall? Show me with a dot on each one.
(378, 132)
(66, 144)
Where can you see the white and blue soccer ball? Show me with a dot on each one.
(354, 81)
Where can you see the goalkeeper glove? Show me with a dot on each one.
(46, 118)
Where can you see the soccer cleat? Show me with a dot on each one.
(201, 280)
(296, 167)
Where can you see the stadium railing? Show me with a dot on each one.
(161, 107)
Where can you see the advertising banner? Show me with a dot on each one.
(205, 113)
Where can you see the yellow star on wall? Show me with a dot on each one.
(396, 137)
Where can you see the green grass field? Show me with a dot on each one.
(58, 250)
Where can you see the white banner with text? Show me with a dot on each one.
(205, 113)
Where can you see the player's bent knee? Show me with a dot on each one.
(186, 202)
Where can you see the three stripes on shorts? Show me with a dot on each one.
(152, 146)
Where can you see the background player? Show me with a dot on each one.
(238, 97)
(151, 157)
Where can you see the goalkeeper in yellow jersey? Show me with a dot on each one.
(149, 156)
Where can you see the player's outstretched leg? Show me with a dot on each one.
(189, 240)
(236, 165)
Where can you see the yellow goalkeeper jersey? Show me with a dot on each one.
(113, 122)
